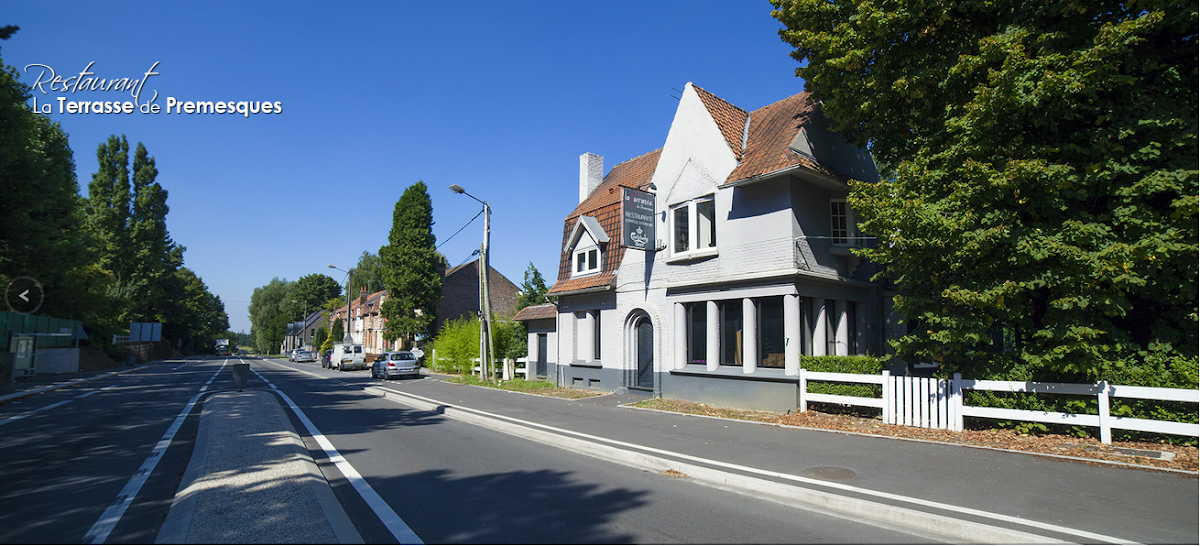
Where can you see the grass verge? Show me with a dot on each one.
(544, 388)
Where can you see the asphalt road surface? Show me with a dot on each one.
(67, 456)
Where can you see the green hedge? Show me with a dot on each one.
(869, 365)
(1158, 369)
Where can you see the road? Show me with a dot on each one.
(67, 456)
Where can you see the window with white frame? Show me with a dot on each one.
(586, 260)
(694, 225)
(841, 229)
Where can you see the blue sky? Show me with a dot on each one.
(499, 98)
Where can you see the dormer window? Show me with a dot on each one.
(694, 226)
(586, 246)
(587, 261)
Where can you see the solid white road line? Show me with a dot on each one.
(108, 520)
(390, 519)
(86, 394)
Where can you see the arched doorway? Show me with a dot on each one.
(644, 353)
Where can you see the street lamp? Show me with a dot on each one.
(485, 308)
(346, 338)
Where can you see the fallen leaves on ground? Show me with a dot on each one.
(1185, 457)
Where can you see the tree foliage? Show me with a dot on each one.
(367, 273)
(270, 310)
(41, 222)
(313, 292)
(1043, 169)
(533, 289)
(105, 260)
(410, 267)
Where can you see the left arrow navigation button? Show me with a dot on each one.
(23, 295)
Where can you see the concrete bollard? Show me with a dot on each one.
(241, 373)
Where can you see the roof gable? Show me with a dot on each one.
(589, 225)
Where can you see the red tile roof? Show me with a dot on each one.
(730, 119)
(604, 204)
(768, 145)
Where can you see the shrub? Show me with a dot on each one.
(869, 365)
(457, 344)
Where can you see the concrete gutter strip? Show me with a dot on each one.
(943, 526)
(49, 388)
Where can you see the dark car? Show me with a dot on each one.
(325, 358)
(388, 365)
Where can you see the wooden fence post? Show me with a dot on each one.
(803, 391)
(1102, 403)
(956, 403)
(887, 398)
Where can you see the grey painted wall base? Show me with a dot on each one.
(732, 392)
(589, 377)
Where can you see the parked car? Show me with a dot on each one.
(305, 356)
(393, 364)
(292, 355)
(348, 357)
(325, 358)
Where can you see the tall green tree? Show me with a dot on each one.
(1042, 195)
(270, 311)
(410, 267)
(155, 256)
(108, 209)
(41, 231)
(312, 292)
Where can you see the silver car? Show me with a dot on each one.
(388, 365)
(305, 356)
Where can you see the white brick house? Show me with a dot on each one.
(752, 267)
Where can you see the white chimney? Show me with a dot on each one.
(591, 173)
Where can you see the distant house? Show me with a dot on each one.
(460, 293)
(751, 266)
(300, 334)
(460, 298)
(364, 322)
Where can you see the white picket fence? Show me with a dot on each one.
(938, 403)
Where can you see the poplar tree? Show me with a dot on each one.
(155, 256)
(108, 207)
(410, 267)
(1040, 203)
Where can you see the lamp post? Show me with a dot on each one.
(347, 333)
(485, 308)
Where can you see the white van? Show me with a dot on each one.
(348, 357)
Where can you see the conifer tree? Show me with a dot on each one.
(410, 267)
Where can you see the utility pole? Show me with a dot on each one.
(486, 352)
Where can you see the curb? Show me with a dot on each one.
(32, 392)
(174, 529)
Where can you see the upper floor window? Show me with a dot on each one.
(587, 260)
(841, 229)
(694, 225)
